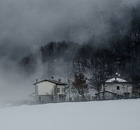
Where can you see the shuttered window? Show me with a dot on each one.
(58, 90)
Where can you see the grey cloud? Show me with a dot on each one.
(32, 21)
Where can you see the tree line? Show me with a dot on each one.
(120, 53)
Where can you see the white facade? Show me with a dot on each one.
(45, 88)
(118, 86)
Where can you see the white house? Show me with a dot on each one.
(49, 91)
(118, 86)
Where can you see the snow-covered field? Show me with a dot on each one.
(97, 115)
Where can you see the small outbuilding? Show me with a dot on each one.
(106, 95)
(47, 91)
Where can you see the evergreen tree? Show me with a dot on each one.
(80, 83)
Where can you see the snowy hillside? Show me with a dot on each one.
(101, 115)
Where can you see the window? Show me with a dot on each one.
(39, 99)
(58, 90)
(63, 90)
(118, 87)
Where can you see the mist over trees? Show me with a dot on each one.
(49, 38)
(120, 53)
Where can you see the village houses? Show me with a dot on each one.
(50, 91)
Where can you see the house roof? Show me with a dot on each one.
(118, 80)
(52, 81)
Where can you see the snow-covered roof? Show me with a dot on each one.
(52, 81)
(115, 80)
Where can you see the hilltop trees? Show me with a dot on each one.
(120, 53)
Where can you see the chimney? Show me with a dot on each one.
(116, 75)
(36, 80)
(59, 80)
